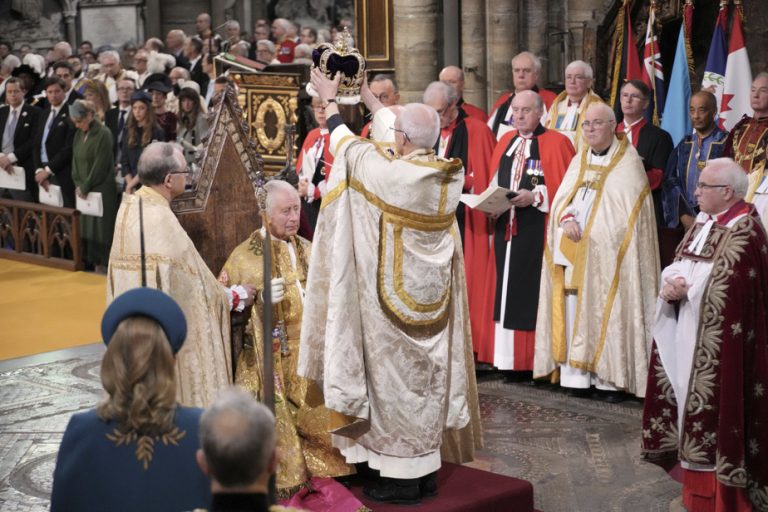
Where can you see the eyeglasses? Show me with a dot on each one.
(407, 138)
(186, 173)
(707, 185)
(596, 124)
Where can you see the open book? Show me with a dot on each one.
(494, 200)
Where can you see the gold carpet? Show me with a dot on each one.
(44, 309)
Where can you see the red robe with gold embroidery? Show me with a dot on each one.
(748, 142)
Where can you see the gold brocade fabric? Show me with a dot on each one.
(615, 276)
(303, 441)
(561, 102)
(204, 363)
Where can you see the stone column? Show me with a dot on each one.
(502, 29)
(416, 46)
(473, 52)
(534, 30)
(70, 17)
(579, 13)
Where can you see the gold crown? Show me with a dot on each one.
(345, 59)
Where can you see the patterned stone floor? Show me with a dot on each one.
(580, 454)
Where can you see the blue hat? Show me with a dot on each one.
(141, 96)
(149, 303)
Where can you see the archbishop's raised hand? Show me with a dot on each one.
(326, 89)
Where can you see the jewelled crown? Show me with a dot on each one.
(341, 58)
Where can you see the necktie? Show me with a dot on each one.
(10, 131)
(48, 124)
(120, 126)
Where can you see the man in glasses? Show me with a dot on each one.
(603, 269)
(384, 88)
(386, 300)
(174, 266)
(569, 108)
(706, 401)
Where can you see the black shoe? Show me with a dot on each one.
(401, 491)
(610, 397)
(428, 485)
(578, 392)
(517, 376)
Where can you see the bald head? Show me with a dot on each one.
(453, 76)
(598, 126)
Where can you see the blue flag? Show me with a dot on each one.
(714, 71)
(676, 120)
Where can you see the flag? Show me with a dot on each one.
(714, 71)
(676, 120)
(653, 71)
(738, 77)
(627, 62)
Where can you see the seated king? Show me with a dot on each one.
(302, 438)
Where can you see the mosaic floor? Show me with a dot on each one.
(580, 454)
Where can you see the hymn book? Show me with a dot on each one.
(14, 180)
(494, 201)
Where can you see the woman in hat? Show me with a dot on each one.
(193, 124)
(140, 130)
(93, 171)
(96, 92)
(135, 450)
(158, 86)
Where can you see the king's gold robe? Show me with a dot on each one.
(204, 363)
(303, 440)
(385, 325)
(614, 274)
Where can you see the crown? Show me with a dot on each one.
(341, 58)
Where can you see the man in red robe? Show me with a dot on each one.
(471, 141)
(748, 141)
(531, 161)
(314, 165)
(454, 76)
(526, 67)
(707, 397)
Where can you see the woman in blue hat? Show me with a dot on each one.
(136, 449)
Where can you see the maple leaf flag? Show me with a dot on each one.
(738, 78)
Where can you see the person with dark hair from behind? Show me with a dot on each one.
(136, 450)
(238, 452)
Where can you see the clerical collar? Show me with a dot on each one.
(601, 153)
(738, 208)
(577, 103)
(535, 133)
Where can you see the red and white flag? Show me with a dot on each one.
(738, 78)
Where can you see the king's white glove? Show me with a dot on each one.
(277, 287)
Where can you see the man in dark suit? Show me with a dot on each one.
(18, 125)
(194, 52)
(116, 118)
(64, 70)
(174, 44)
(651, 142)
(53, 143)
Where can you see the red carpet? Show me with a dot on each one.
(464, 489)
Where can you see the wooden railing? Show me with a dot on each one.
(40, 234)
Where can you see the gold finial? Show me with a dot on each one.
(342, 47)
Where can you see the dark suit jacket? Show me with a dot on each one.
(111, 119)
(23, 140)
(654, 146)
(198, 76)
(181, 60)
(59, 149)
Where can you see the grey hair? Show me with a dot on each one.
(762, 74)
(734, 175)
(273, 187)
(440, 89)
(421, 123)
(158, 160)
(534, 59)
(109, 53)
(283, 23)
(65, 47)
(266, 42)
(604, 108)
(233, 23)
(588, 72)
(380, 77)
(453, 68)
(237, 435)
(302, 50)
(184, 72)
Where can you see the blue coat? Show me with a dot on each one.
(94, 472)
